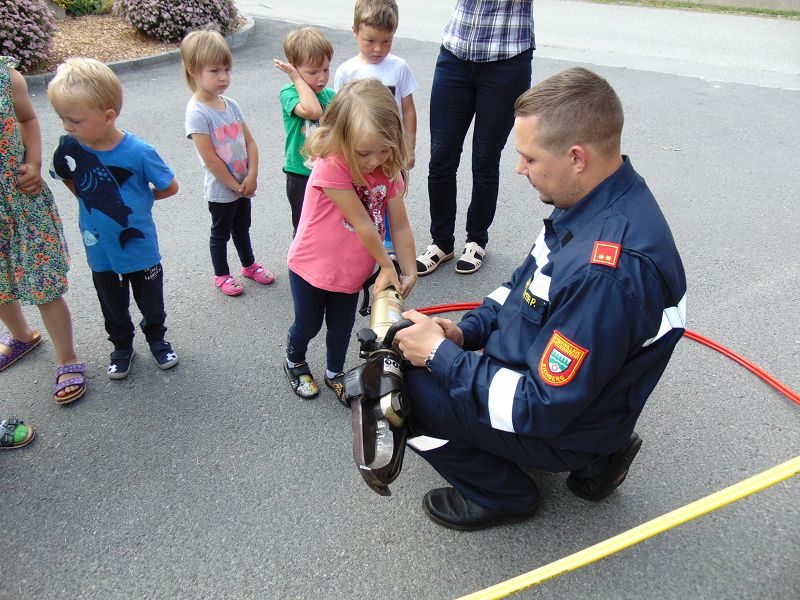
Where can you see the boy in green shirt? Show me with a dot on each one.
(309, 55)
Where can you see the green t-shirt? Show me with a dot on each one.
(298, 128)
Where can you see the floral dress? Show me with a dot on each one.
(33, 253)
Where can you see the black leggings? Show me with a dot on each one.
(230, 219)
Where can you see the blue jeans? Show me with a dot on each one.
(311, 304)
(463, 90)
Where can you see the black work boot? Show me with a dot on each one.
(597, 488)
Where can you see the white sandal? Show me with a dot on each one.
(471, 259)
(429, 261)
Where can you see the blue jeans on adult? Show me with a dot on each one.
(311, 305)
(463, 90)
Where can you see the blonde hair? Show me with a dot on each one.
(201, 49)
(86, 81)
(307, 46)
(362, 107)
(575, 106)
(382, 15)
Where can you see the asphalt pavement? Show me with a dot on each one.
(214, 480)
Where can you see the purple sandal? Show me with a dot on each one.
(79, 381)
(18, 349)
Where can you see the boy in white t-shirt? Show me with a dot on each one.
(374, 26)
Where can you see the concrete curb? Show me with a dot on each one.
(237, 39)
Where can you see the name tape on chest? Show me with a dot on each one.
(606, 253)
(561, 360)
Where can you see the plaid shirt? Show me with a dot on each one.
(489, 30)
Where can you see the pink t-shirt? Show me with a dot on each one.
(326, 250)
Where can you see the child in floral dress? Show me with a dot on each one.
(33, 254)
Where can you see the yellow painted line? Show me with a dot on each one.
(645, 531)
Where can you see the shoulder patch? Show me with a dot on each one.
(606, 253)
(561, 360)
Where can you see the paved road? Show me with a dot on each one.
(712, 46)
(213, 480)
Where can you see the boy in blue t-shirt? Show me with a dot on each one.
(303, 100)
(110, 171)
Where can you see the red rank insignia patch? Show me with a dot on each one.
(606, 253)
(561, 360)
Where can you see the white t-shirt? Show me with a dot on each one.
(392, 71)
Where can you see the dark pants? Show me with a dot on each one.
(114, 295)
(296, 192)
(461, 90)
(230, 219)
(311, 304)
(482, 463)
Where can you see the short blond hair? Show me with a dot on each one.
(382, 15)
(201, 49)
(307, 46)
(86, 81)
(575, 106)
(361, 107)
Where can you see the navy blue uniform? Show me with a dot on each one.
(573, 346)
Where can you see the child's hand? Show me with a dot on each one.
(249, 185)
(287, 68)
(407, 283)
(386, 277)
(29, 178)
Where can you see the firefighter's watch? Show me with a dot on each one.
(429, 360)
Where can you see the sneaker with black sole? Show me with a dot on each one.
(120, 364)
(471, 259)
(598, 488)
(337, 385)
(430, 260)
(164, 354)
(302, 380)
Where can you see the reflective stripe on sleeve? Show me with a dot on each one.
(673, 317)
(501, 399)
(424, 443)
(500, 294)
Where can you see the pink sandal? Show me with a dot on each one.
(258, 273)
(228, 285)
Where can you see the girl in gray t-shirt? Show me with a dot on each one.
(228, 153)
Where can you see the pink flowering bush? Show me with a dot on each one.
(171, 20)
(26, 31)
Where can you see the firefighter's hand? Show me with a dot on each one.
(451, 331)
(417, 341)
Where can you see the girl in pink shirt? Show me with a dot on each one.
(359, 153)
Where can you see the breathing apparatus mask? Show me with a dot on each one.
(374, 391)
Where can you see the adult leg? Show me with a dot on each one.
(340, 315)
(499, 84)
(309, 310)
(148, 292)
(481, 463)
(114, 295)
(451, 111)
(221, 223)
(240, 230)
(296, 192)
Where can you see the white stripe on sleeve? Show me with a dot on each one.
(501, 399)
(500, 294)
(673, 317)
(424, 443)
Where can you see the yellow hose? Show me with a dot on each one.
(645, 531)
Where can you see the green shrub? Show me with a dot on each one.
(79, 8)
(171, 20)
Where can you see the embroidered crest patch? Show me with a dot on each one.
(561, 360)
(606, 253)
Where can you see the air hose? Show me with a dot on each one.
(758, 371)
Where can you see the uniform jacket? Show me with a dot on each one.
(576, 341)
